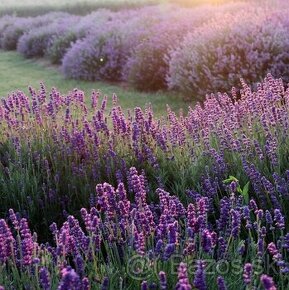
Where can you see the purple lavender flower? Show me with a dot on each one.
(79, 264)
(44, 278)
(269, 219)
(260, 214)
(207, 242)
(253, 205)
(163, 280)
(260, 246)
(224, 214)
(144, 285)
(268, 282)
(14, 219)
(169, 250)
(286, 242)
(200, 278)
(183, 280)
(85, 284)
(159, 246)
(173, 233)
(140, 243)
(279, 219)
(69, 280)
(236, 223)
(105, 284)
(27, 243)
(6, 242)
(221, 283)
(247, 273)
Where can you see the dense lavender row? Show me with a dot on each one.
(12, 28)
(193, 50)
(231, 48)
(201, 191)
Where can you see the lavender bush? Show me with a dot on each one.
(12, 33)
(148, 64)
(78, 31)
(103, 54)
(93, 196)
(36, 41)
(19, 26)
(214, 57)
(5, 21)
(146, 67)
(60, 46)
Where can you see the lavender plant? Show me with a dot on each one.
(96, 197)
(19, 26)
(213, 58)
(206, 50)
(36, 41)
(148, 65)
(78, 31)
(5, 21)
(104, 52)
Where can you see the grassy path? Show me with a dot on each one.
(17, 73)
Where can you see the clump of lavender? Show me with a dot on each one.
(69, 280)
(227, 39)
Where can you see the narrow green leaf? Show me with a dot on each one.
(245, 192)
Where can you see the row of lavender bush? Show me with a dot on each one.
(204, 193)
(193, 50)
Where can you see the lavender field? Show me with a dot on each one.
(101, 192)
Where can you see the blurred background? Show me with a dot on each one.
(33, 8)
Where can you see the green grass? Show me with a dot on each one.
(17, 73)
